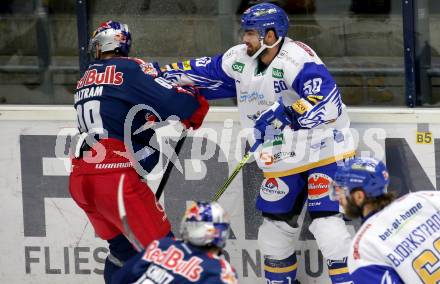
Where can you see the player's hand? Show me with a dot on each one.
(272, 121)
(196, 119)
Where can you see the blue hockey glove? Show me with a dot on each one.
(272, 121)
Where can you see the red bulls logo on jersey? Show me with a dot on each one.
(173, 260)
(108, 77)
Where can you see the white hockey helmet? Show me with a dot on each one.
(111, 36)
(204, 224)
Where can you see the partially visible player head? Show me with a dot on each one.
(264, 26)
(110, 38)
(205, 224)
(361, 182)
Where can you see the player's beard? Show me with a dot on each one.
(251, 50)
(352, 211)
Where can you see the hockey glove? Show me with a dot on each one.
(272, 121)
(196, 119)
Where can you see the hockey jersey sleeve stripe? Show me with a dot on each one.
(315, 85)
(206, 73)
(326, 111)
(338, 271)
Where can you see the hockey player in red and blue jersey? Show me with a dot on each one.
(196, 258)
(117, 101)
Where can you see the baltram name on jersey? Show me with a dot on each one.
(415, 239)
(172, 259)
(87, 93)
(108, 77)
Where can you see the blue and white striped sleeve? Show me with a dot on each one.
(320, 101)
(206, 73)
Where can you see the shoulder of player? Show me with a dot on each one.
(365, 239)
(237, 52)
(423, 196)
(296, 52)
(218, 266)
(132, 64)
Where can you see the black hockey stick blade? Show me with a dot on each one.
(170, 165)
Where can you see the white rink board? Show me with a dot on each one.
(46, 238)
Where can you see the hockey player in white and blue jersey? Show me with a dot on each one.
(399, 242)
(283, 84)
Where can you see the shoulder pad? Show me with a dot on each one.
(235, 52)
(148, 68)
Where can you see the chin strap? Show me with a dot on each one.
(264, 46)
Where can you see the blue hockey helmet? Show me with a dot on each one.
(111, 36)
(204, 224)
(368, 174)
(263, 17)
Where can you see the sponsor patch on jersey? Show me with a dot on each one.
(269, 159)
(273, 189)
(356, 253)
(173, 260)
(266, 158)
(186, 65)
(227, 273)
(148, 69)
(300, 106)
(238, 67)
(318, 185)
(175, 66)
(108, 77)
(305, 47)
(314, 99)
(277, 140)
(249, 98)
(277, 73)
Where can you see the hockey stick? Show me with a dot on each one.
(170, 165)
(123, 215)
(237, 169)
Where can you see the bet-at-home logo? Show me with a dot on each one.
(238, 66)
(277, 73)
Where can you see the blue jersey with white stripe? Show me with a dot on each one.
(295, 73)
(298, 77)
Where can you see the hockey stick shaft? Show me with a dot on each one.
(123, 216)
(237, 169)
(170, 165)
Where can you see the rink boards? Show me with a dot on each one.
(46, 238)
